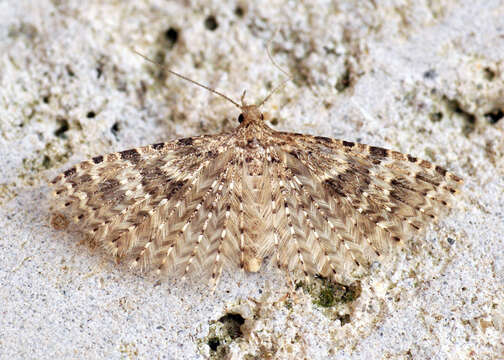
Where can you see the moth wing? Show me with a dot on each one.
(347, 204)
(124, 201)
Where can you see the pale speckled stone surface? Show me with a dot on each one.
(424, 78)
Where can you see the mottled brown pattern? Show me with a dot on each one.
(377, 152)
(70, 172)
(98, 159)
(314, 205)
(131, 155)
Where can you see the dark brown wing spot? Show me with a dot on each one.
(174, 188)
(348, 144)
(412, 158)
(98, 159)
(324, 139)
(395, 194)
(186, 141)
(377, 152)
(441, 171)
(354, 180)
(132, 155)
(402, 183)
(158, 146)
(334, 187)
(70, 172)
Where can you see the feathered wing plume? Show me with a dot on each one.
(314, 205)
(347, 204)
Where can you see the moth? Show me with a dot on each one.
(312, 204)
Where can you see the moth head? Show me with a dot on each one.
(250, 114)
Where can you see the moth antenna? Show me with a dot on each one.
(274, 91)
(243, 97)
(187, 79)
(268, 50)
(286, 73)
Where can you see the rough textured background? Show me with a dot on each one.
(424, 77)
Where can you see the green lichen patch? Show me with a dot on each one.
(43, 159)
(332, 298)
(455, 107)
(345, 80)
